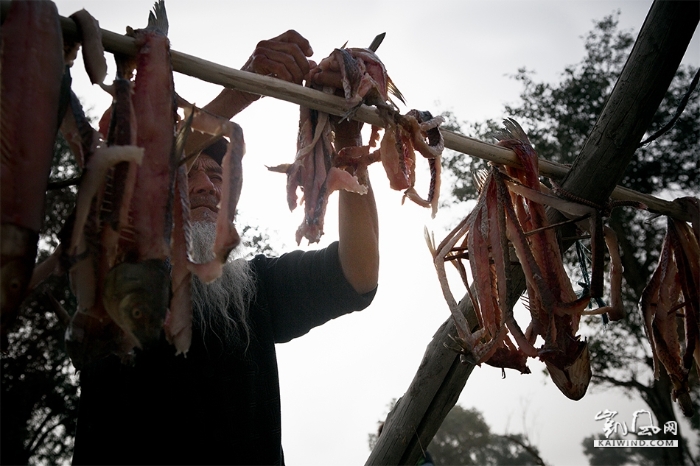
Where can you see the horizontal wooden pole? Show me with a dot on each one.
(272, 87)
(268, 86)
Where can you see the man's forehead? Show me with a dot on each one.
(204, 162)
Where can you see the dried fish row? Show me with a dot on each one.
(320, 168)
(126, 240)
(510, 211)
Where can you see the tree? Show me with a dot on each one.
(465, 438)
(39, 389)
(558, 118)
(621, 456)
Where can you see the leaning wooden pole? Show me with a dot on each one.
(639, 90)
(264, 85)
(658, 51)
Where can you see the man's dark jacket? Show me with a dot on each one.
(221, 403)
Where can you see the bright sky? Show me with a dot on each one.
(337, 381)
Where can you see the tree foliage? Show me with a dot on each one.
(558, 118)
(464, 438)
(39, 388)
(621, 456)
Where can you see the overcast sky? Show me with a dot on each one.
(337, 381)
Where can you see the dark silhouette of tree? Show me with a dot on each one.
(558, 118)
(257, 240)
(618, 456)
(39, 388)
(464, 438)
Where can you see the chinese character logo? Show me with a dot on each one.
(672, 427)
(644, 430)
(611, 426)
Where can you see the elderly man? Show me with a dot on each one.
(221, 403)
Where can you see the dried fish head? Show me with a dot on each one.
(136, 296)
(375, 85)
(89, 339)
(571, 378)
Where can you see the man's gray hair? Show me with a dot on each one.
(221, 306)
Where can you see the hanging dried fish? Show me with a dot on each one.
(510, 210)
(671, 299)
(320, 169)
(30, 108)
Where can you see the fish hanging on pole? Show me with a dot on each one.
(30, 108)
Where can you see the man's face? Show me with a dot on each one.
(204, 179)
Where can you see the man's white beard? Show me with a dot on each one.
(222, 306)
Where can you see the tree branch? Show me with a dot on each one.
(54, 185)
(38, 440)
(529, 448)
(631, 384)
(679, 111)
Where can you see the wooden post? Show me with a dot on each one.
(640, 88)
(440, 379)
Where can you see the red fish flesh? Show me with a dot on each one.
(178, 323)
(137, 291)
(671, 297)
(32, 70)
(318, 169)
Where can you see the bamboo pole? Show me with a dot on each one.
(268, 86)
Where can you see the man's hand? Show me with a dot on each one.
(283, 57)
